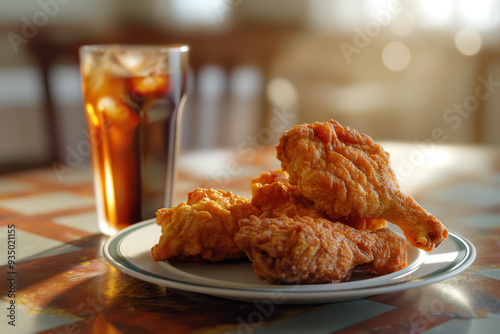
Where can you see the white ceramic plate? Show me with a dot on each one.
(129, 252)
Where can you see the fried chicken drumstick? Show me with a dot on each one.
(305, 250)
(346, 174)
(275, 196)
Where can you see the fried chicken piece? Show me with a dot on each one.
(277, 175)
(275, 196)
(347, 175)
(389, 253)
(202, 229)
(304, 250)
(364, 224)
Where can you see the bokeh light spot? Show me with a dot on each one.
(396, 56)
(468, 41)
(281, 92)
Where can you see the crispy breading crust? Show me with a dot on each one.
(347, 175)
(202, 229)
(275, 196)
(304, 250)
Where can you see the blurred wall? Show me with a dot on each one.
(397, 70)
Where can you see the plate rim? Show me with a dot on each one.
(114, 257)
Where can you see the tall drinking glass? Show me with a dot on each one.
(134, 97)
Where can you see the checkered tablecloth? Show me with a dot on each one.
(60, 283)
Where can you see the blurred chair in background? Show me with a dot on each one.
(252, 61)
(23, 126)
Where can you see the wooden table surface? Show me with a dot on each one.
(57, 280)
